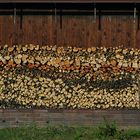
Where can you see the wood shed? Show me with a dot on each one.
(82, 23)
(69, 61)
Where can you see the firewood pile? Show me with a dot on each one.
(33, 76)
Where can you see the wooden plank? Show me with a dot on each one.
(138, 40)
(113, 32)
(1, 29)
(123, 118)
(131, 27)
(37, 30)
(80, 31)
(47, 30)
(8, 30)
(128, 33)
(27, 30)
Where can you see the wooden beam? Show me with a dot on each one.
(66, 12)
(69, 1)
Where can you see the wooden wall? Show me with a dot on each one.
(79, 31)
(19, 117)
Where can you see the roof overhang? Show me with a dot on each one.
(69, 1)
(35, 7)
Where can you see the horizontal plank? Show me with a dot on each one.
(82, 117)
(69, 1)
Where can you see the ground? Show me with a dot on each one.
(105, 131)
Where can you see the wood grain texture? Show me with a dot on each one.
(10, 117)
(81, 31)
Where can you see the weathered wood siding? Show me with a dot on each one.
(12, 117)
(79, 31)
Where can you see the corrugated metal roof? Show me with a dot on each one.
(69, 1)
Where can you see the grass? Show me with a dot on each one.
(105, 131)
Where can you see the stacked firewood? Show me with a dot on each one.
(69, 77)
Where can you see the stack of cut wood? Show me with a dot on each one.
(69, 77)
